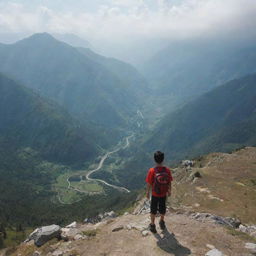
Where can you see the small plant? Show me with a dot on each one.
(240, 234)
(90, 233)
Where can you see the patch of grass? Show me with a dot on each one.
(90, 232)
(241, 235)
(90, 186)
(14, 238)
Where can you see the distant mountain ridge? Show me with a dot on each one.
(124, 71)
(186, 70)
(60, 72)
(220, 120)
(72, 40)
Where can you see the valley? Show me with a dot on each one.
(78, 131)
(80, 183)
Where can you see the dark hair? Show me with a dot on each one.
(159, 157)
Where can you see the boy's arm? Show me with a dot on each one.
(169, 189)
(148, 190)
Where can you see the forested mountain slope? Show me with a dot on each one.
(39, 141)
(124, 71)
(188, 69)
(28, 120)
(60, 72)
(220, 120)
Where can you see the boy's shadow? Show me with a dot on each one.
(170, 244)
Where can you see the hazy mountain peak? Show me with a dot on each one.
(38, 38)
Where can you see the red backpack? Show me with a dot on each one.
(161, 181)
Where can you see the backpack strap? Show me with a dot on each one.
(162, 170)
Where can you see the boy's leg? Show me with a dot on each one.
(153, 209)
(153, 217)
(162, 211)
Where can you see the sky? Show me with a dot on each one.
(124, 22)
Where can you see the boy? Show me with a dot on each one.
(159, 182)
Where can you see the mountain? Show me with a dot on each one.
(60, 72)
(72, 40)
(185, 70)
(124, 71)
(39, 141)
(220, 120)
(28, 120)
(203, 217)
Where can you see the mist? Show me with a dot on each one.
(122, 28)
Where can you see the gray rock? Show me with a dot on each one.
(214, 252)
(187, 163)
(210, 246)
(72, 225)
(251, 246)
(44, 234)
(128, 226)
(139, 227)
(250, 230)
(145, 233)
(57, 253)
(112, 214)
(115, 229)
(78, 237)
(226, 221)
(36, 253)
(68, 233)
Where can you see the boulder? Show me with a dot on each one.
(214, 252)
(68, 233)
(43, 234)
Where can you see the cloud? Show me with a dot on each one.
(128, 19)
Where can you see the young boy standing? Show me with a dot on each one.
(159, 182)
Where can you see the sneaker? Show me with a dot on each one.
(152, 228)
(162, 224)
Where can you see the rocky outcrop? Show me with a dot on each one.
(226, 221)
(250, 230)
(187, 163)
(43, 234)
(101, 217)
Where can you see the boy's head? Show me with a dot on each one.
(159, 157)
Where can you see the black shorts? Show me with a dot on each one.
(158, 203)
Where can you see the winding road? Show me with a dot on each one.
(102, 162)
